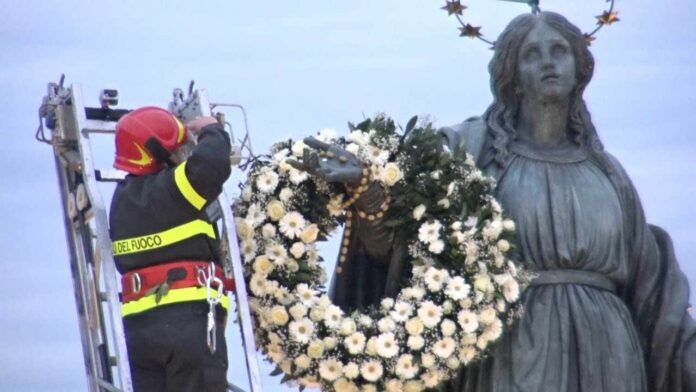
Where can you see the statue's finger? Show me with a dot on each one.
(316, 143)
(296, 164)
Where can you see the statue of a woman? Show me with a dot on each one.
(608, 310)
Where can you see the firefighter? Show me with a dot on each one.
(165, 246)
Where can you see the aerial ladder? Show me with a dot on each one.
(68, 126)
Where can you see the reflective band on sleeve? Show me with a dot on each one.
(165, 238)
(173, 296)
(186, 189)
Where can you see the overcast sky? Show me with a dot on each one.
(298, 67)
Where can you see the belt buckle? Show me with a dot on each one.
(136, 283)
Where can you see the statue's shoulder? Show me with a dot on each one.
(467, 136)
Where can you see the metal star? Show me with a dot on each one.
(454, 7)
(608, 17)
(470, 31)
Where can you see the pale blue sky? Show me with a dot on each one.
(298, 68)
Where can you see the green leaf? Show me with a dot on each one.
(277, 371)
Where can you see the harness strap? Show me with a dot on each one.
(173, 296)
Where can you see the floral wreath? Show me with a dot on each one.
(462, 290)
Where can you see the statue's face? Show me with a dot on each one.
(545, 65)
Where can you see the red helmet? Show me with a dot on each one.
(144, 139)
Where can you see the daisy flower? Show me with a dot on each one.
(468, 320)
(301, 330)
(430, 314)
(405, 368)
(355, 343)
(386, 345)
(371, 370)
(457, 288)
(267, 181)
(444, 348)
(429, 231)
(330, 369)
(291, 224)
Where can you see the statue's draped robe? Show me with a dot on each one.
(573, 211)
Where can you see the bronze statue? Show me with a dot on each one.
(608, 310)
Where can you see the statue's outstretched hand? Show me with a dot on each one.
(331, 163)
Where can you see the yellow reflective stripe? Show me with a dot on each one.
(186, 189)
(165, 238)
(182, 131)
(173, 296)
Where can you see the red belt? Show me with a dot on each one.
(177, 274)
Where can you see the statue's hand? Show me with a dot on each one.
(332, 163)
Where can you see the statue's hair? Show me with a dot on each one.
(501, 116)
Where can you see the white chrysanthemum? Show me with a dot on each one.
(282, 295)
(359, 137)
(297, 249)
(275, 210)
(257, 284)
(482, 283)
(394, 385)
(297, 176)
(448, 327)
(255, 215)
(298, 148)
(371, 370)
(493, 330)
(291, 224)
(355, 343)
(285, 195)
(268, 231)
(457, 288)
(511, 290)
(453, 362)
(386, 324)
(431, 378)
(467, 354)
(351, 370)
(305, 294)
(377, 155)
(245, 230)
(491, 231)
(298, 311)
(248, 249)
(371, 346)
(353, 148)
(277, 253)
(332, 317)
(391, 174)
(405, 368)
(275, 353)
(436, 278)
(386, 345)
(365, 320)
(415, 293)
(508, 225)
(430, 314)
(429, 231)
(301, 330)
(343, 385)
(428, 360)
(330, 369)
(347, 327)
(281, 155)
(472, 251)
(316, 313)
(387, 303)
(279, 315)
(315, 349)
(414, 326)
(444, 347)
(267, 181)
(468, 320)
(303, 361)
(436, 247)
(246, 194)
(369, 388)
(487, 315)
(415, 342)
(418, 212)
(402, 311)
(503, 245)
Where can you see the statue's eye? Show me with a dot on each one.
(532, 54)
(559, 50)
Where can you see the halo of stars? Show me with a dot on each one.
(456, 8)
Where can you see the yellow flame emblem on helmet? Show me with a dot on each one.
(144, 159)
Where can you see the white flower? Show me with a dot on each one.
(281, 155)
(285, 195)
(436, 278)
(487, 315)
(297, 176)
(332, 317)
(511, 290)
(386, 345)
(301, 330)
(468, 320)
(429, 314)
(298, 148)
(248, 249)
(402, 311)
(471, 221)
(492, 230)
(257, 284)
(450, 189)
(416, 293)
(418, 212)
(371, 370)
(436, 247)
(457, 288)
(282, 295)
(387, 303)
(414, 326)
(275, 210)
(359, 137)
(315, 349)
(431, 378)
(246, 194)
(453, 362)
(255, 215)
(377, 155)
(416, 342)
(503, 245)
(391, 174)
(355, 343)
(309, 233)
(347, 327)
(386, 324)
(493, 330)
(429, 232)
(353, 148)
(279, 315)
(435, 175)
(405, 368)
(369, 388)
(277, 253)
(244, 229)
(303, 361)
(482, 283)
(394, 385)
(263, 265)
(444, 348)
(305, 294)
(428, 360)
(317, 313)
(275, 353)
(371, 346)
(444, 203)
(469, 339)
(291, 224)
(351, 370)
(326, 135)
(472, 251)
(267, 181)
(330, 369)
(448, 327)
(467, 354)
(297, 249)
(365, 320)
(456, 226)
(268, 231)
(508, 225)
(298, 311)
(343, 385)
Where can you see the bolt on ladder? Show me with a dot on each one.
(92, 265)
